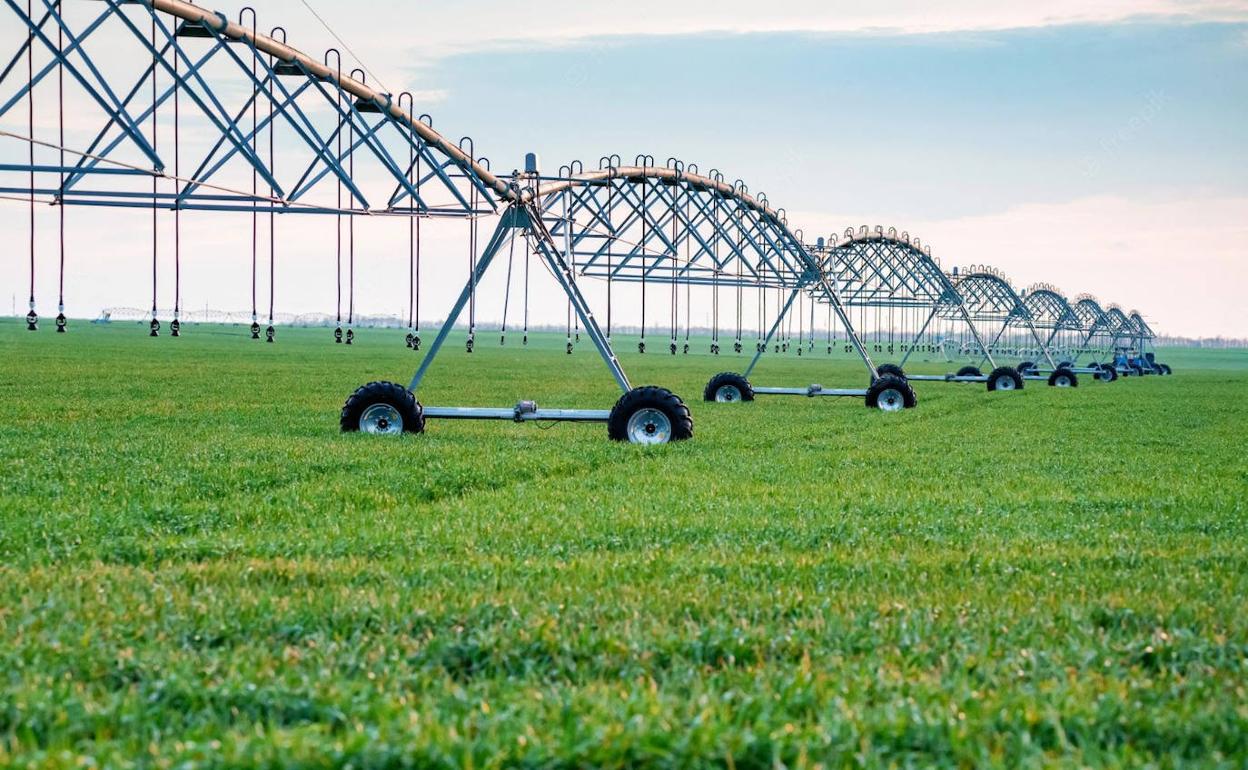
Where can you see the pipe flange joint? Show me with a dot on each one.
(523, 408)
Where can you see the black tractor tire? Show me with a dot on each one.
(1003, 374)
(1024, 368)
(891, 370)
(891, 394)
(728, 380)
(1063, 378)
(399, 398)
(650, 397)
(970, 371)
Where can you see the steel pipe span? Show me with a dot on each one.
(665, 174)
(1145, 330)
(1049, 308)
(221, 24)
(1121, 322)
(878, 267)
(647, 222)
(989, 295)
(1091, 315)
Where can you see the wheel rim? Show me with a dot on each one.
(727, 394)
(381, 420)
(649, 426)
(1005, 383)
(1062, 382)
(891, 400)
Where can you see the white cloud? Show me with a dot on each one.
(394, 34)
(1182, 263)
(449, 29)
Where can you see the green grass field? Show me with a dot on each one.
(198, 569)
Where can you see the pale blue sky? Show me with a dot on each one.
(934, 126)
(1101, 145)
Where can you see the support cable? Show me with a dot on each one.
(470, 345)
(738, 346)
(411, 229)
(571, 255)
(155, 323)
(61, 322)
(255, 214)
(528, 254)
(674, 305)
(351, 229)
(610, 244)
(645, 227)
(811, 341)
(32, 318)
(175, 326)
(416, 311)
(271, 331)
(801, 320)
(338, 337)
(715, 282)
(511, 257)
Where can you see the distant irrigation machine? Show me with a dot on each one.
(1052, 316)
(992, 301)
(1146, 358)
(675, 227)
(905, 304)
(195, 112)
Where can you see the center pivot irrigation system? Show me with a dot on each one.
(187, 110)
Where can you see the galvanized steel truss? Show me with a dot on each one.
(671, 224)
(989, 298)
(875, 269)
(221, 95)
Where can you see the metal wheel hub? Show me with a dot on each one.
(381, 420)
(891, 400)
(1005, 383)
(649, 426)
(727, 394)
(1062, 382)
